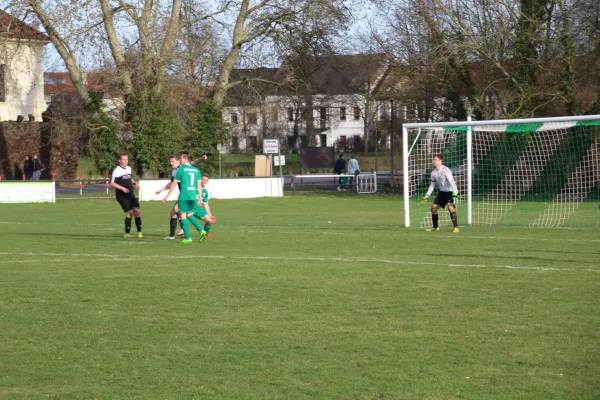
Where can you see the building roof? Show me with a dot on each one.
(339, 74)
(329, 75)
(254, 83)
(60, 82)
(12, 28)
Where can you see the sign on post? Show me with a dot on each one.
(270, 146)
(278, 160)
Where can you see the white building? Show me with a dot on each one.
(21, 70)
(270, 103)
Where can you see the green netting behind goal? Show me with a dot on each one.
(522, 174)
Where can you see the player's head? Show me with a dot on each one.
(205, 178)
(438, 160)
(175, 160)
(341, 155)
(185, 158)
(123, 160)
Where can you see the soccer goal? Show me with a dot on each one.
(542, 172)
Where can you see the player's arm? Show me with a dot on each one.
(429, 191)
(203, 157)
(452, 183)
(199, 191)
(171, 190)
(207, 208)
(136, 184)
(166, 187)
(172, 187)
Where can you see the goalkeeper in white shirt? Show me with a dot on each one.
(447, 193)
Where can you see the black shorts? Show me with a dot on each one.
(128, 201)
(443, 198)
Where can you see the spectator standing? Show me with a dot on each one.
(339, 167)
(27, 168)
(37, 167)
(353, 170)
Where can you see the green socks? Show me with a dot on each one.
(185, 225)
(207, 227)
(195, 222)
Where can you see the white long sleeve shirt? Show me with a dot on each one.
(443, 178)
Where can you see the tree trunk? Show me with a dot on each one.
(65, 52)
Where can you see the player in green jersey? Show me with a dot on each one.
(209, 218)
(189, 178)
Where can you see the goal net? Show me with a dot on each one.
(534, 172)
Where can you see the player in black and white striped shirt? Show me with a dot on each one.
(124, 183)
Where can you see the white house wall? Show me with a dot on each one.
(335, 126)
(23, 79)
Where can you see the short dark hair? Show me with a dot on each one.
(185, 155)
(439, 156)
(121, 155)
(175, 156)
(204, 174)
(341, 154)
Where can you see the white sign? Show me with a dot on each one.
(270, 146)
(278, 160)
(27, 192)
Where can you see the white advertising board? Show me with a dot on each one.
(233, 188)
(27, 192)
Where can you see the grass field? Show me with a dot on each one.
(306, 297)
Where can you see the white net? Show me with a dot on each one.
(538, 175)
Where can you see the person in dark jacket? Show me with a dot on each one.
(27, 168)
(37, 167)
(339, 167)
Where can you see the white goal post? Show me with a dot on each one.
(536, 172)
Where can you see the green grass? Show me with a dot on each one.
(283, 304)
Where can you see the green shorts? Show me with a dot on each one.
(186, 206)
(200, 212)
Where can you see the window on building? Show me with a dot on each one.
(342, 113)
(234, 119)
(323, 115)
(274, 116)
(290, 114)
(252, 142)
(252, 119)
(291, 142)
(382, 112)
(2, 84)
(356, 112)
(323, 140)
(342, 142)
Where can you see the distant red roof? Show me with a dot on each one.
(12, 28)
(60, 82)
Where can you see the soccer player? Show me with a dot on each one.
(175, 162)
(124, 183)
(203, 210)
(189, 179)
(447, 193)
(209, 219)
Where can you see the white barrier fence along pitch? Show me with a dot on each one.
(27, 192)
